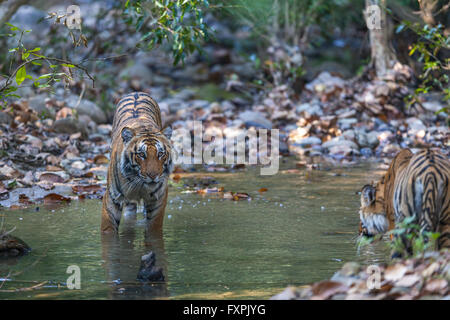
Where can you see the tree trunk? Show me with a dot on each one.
(382, 55)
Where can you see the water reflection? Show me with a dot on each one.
(122, 256)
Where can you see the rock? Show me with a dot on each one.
(5, 118)
(38, 104)
(11, 246)
(325, 83)
(347, 123)
(310, 108)
(290, 293)
(350, 269)
(344, 150)
(173, 104)
(366, 152)
(28, 17)
(104, 129)
(69, 125)
(255, 119)
(415, 124)
(148, 271)
(339, 142)
(308, 141)
(86, 107)
(7, 172)
(138, 71)
(367, 140)
(184, 94)
(79, 165)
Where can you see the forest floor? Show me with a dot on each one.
(424, 278)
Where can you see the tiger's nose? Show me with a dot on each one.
(152, 176)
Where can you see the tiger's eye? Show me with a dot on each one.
(141, 155)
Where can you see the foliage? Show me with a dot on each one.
(407, 239)
(180, 23)
(22, 59)
(410, 240)
(431, 41)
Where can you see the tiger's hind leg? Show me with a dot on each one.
(111, 214)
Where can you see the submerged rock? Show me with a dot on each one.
(11, 246)
(148, 271)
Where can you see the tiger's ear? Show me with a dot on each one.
(168, 132)
(127, 134)
(367, 195)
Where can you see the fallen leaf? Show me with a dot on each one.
(408, 281)
(262, 190)
(395, 272)
(89, 189)
(24, 199)
(53, 168)
(326, 289)
(176, 178)
(101, 159)
(436, 285)
(52, 198)
(51, 177)
(4, 194)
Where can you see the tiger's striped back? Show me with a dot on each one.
(422, 190)
(137, 110)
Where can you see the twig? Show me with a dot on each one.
(37, 286)
(9, 79)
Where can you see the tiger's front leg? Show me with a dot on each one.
(111, 214)
(154, 212)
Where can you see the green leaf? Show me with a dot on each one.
(21, 75)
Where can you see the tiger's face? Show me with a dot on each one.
(372, 211)
(146, 156)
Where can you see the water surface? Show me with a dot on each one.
(301, 230)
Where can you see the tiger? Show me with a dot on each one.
(415, 185)
(140, 162)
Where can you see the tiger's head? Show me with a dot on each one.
(372, 211)
(146, 155)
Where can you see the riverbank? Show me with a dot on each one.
(424, 278)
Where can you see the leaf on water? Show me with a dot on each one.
(262, 190)
(52, 198)
(210, 190)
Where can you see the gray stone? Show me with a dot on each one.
(69, 125)
(339, 142)
(137, 71)
(5, 118)
(308, 141)
(255, 119)
(88, 108)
